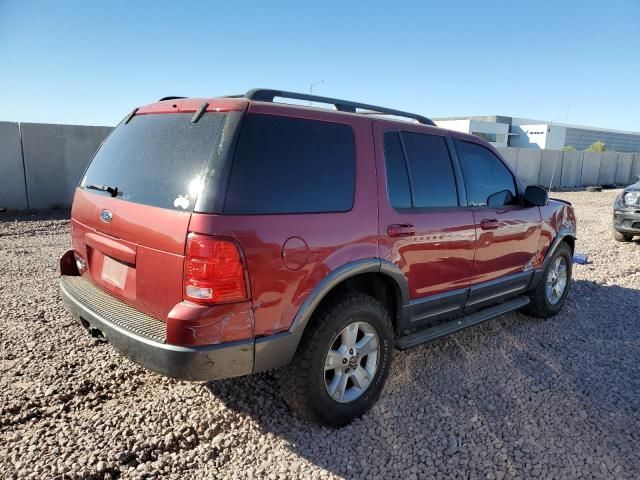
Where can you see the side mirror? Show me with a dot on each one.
(536, 196)
(499, 199)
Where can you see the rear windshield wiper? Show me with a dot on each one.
(113, 191)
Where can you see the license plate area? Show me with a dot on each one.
(113, 275)
(114, 272)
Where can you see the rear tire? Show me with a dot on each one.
(548, 298)
(621, 237)
(311, 385)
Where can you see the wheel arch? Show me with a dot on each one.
(379, 278)
(570, 240)
(566, 236)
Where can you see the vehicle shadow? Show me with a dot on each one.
(517, 395)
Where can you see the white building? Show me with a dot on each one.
(496, 133)
(503, 131)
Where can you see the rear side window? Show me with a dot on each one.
(156, 159)
(291, 165)
(420, 175)
(484, 173)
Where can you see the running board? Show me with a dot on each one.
(444, 329)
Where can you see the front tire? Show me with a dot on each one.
(342, 361)
(549, 296)
(621, 237)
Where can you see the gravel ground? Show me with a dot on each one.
(514, 397)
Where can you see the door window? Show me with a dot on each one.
(484, 174)
(419, 171)
(397, 176)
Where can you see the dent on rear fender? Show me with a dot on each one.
(189, 324)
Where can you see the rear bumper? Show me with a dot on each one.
(627, 221)
(188, 363)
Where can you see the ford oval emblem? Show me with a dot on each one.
(106, 216)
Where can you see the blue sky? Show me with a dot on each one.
(92, 62)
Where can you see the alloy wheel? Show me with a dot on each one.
(351, 362)
(556, 280)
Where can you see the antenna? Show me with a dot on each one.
(554, 170)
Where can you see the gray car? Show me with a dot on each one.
(626, 213)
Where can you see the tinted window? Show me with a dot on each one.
(484, 173)
(432, 178)
(291, 165)
(397, 177)
(157, 159)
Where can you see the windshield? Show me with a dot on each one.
(156, 159)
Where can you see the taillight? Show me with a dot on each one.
(213, 271)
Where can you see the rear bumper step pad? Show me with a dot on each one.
(131, 333)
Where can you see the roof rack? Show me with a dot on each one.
(170, 98)
(267, 95)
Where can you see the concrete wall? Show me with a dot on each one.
(55, 156)
(590, 168)
(551, 168)
(13, 194)
(528, 168)
(41, 164)
(623, 171)
(510, 155)
(571, 169)
(635, 166)
(608, 168)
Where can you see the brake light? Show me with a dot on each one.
(213, 271)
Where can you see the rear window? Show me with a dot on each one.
(156, 159)
(291, 165)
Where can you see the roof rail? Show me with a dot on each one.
(267, 95)
(170, 98)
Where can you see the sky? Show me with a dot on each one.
(90, 63)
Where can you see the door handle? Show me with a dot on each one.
(401, 230)
(489, 224)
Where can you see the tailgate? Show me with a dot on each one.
(132, 209)
(138, 257)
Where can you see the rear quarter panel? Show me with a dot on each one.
(332, 239)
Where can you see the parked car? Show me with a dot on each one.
(626, 213)
(220, 237)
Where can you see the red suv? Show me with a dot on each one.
(220, 237)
